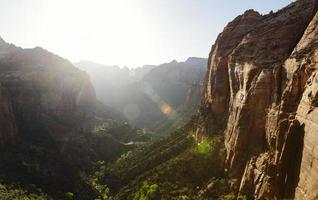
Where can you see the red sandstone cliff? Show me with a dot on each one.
(261, 88)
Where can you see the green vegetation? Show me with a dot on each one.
(95, 181)
(172, 167)
(147, 192)
(121, 131)
(69, 195)
(11, 193)
(229, 197)
(242, 197)
(65, 169)
(204, 147)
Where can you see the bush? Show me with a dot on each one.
(69, 195)
(95, 182)
(204, 148)
(13, 192)
(243, 197)
(147, 192)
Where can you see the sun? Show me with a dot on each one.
(106, 31)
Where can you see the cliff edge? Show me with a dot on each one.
(261, 88)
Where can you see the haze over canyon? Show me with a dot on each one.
(241, 124)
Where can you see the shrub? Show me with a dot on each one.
(147, 192)
(242, 197)
(204, 148)
(103, 190)
(69, 195)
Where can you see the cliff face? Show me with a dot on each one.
(261, 89)
(37, 87)
(47, 108)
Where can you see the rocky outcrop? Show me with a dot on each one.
(261, 89)
(42, 89)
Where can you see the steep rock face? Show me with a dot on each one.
(8, 128)
(38, 87)
(307, 112)
(217, 93)
(260, 81)
(47, 111)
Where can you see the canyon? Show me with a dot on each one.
(142, 94)
(249, 131)
(260, 97)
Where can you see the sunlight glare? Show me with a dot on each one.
(102, 30)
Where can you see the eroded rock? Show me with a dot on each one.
(261, 89)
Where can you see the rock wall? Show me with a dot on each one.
(261, 89)
(307, 112)
(41, 93)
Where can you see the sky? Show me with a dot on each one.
(123, 32)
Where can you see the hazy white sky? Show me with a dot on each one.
(122, 32)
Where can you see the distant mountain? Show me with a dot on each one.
(110, 81)
(149, 94)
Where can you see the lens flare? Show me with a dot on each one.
(165, 109)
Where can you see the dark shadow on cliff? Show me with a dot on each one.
(295, 163)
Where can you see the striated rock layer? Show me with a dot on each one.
(261, 88)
